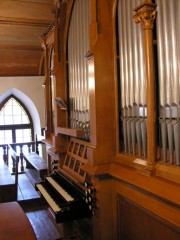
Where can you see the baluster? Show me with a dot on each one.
(13, 161)
(29, 148)
(4, 154)
(21, 158)
(7, 154)
(13, 165)
(33, 146)
(37, 146)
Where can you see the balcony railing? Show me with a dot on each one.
(19, 149)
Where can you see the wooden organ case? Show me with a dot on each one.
(106, 72)
(67, 189)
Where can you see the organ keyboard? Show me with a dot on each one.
(65, 198)
(65, 194)
(48, 198)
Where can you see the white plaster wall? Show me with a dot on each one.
(30, 91)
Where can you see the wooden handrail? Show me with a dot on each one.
(32, 146)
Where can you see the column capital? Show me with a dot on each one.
(145, 14)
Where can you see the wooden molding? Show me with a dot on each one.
(23, 21)
(20, 47)
(168, 171)
(73, 132)
(138, 164)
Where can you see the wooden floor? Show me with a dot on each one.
(26, 190)
(44, 225)
(42, 220)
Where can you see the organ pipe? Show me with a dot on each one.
(168, 21)
(78, 45)
(132, 79)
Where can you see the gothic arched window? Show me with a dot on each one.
(15, 122)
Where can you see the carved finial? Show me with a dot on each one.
(58, 3)
(145, 14)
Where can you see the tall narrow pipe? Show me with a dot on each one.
(78, 45)
(132, 77)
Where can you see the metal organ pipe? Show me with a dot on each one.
(122, 75)
(162, 75)
(169, 88)
(78, 45)
(132, 79)
(173, 66)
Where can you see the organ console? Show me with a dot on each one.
(69, 198)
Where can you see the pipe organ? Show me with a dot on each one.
(120, 81)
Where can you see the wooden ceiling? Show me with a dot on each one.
(21, 24)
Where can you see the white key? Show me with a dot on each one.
(60, 189)
(48, 198)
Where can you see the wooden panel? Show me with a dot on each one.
(19, 62)
(75, 158)
(170, 172)
(70, 131)
(8, 189)
(26, 9)
(8, 193)
(21, 35)
(5, 175)
(40, 1)
(16, 58)
(19, 71)
(134, 222)
(22, 23)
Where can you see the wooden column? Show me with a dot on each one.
(47, 39)
(145, 14)
(94, 23)
(46, 85)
